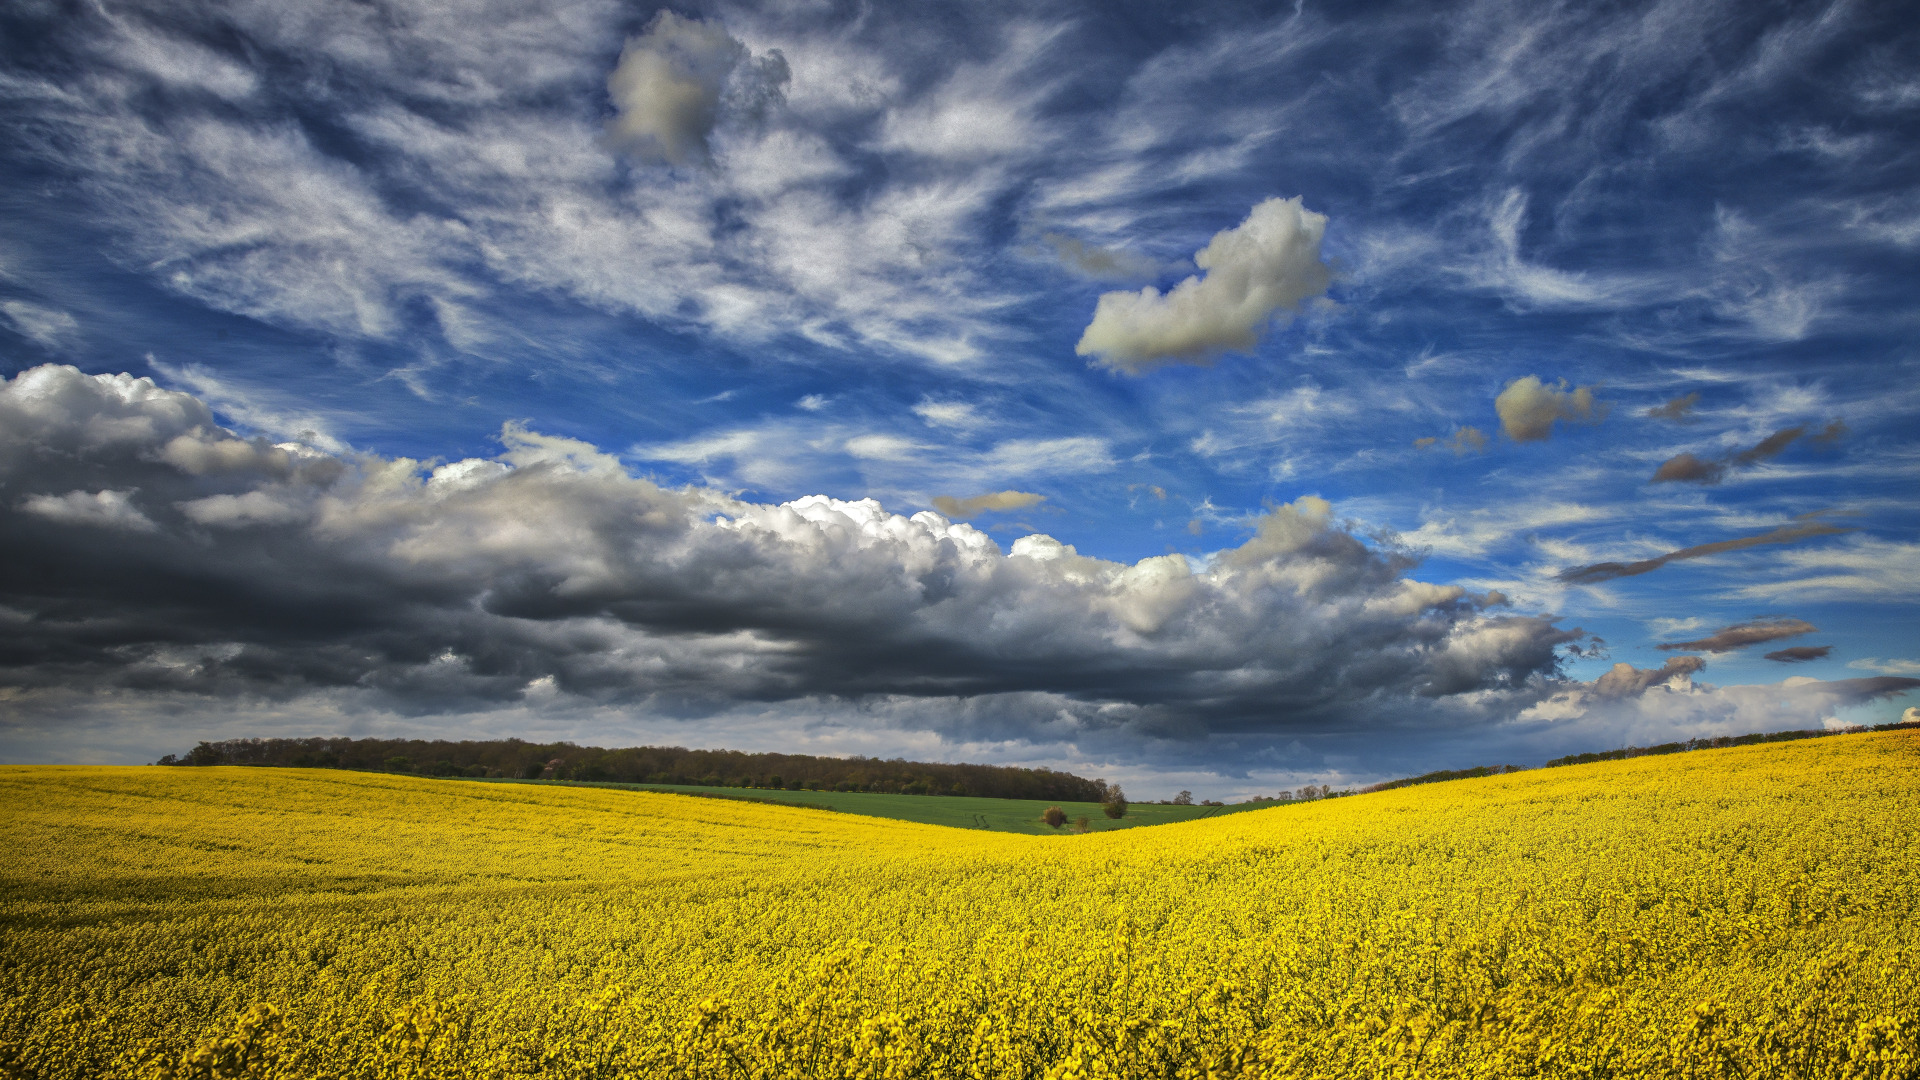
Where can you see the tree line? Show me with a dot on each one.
(517, 759)
(1721, 742)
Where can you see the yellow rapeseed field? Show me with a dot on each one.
(1732, 913)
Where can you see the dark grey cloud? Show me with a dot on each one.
(1625, 680)
(1784, 534)
(1741, 635)
(1798, 654)
(1687, 469)
(1679, 409)
(1769, 448)
(1684, 467)
(189, 560)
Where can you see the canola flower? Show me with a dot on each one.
(1735, 913)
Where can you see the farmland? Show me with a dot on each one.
(1745, 912)
(955, 811)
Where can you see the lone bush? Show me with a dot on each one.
(1054, 816)
(1116, 805)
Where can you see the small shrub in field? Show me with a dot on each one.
(1116, 805)
(1054, 816)
(1082, 824)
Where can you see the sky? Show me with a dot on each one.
(1203, 396)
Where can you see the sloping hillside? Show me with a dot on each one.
(1741, 912)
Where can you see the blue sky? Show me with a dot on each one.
(1382, 318)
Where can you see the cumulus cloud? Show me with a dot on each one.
(1784, 534)
(472, 584)
(982, 504)
(1675, 706)
(1625, 680)
(1528, 407)
(1798, 654)
(668, 87)
(1464, 441)
(1679, 409)
(95, 509)
(1262, 268)
(1741, 635)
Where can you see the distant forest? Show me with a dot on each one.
(513, 758)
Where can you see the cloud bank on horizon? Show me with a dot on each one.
(1196, 398)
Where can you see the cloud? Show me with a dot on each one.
(1887, 667)
(1261, 268)
(1679, 410)
(1073, 454)
(1685, 468)
(240, 511)
(953, 414)
(463, 181)
(1741, 635)
(48, 326)
(882, 447)
(1476, 533)
(1911, 715)
(1625, 680)
(1098, 263)
(1529, 407)
(973, 506)
(1768, 448)
(812, 402)
(669, 83)
(1867, 568)
(1800, 653)
(1672, 707)
(95, 509)
(470, 585)
(1609, 571)
(1465, 440)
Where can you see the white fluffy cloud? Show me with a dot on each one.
(1667, 705)
(669, 84)
(1529, 408)
(95, 509)
(1263, 267)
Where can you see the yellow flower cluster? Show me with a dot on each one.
(1732, 913)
